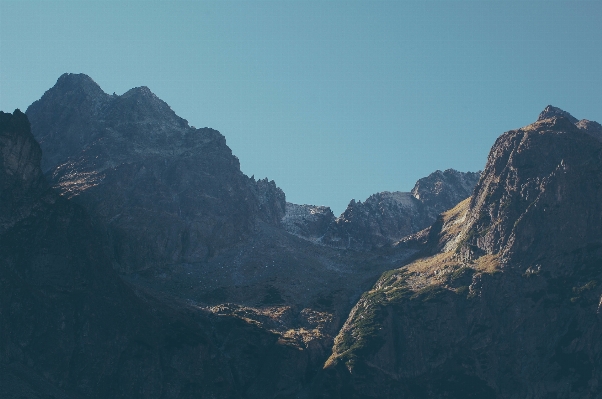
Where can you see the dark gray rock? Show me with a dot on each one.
(20, 175)
(592, 128)
(307, 221)
(272, 201)
(441, 191)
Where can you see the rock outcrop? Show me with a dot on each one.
(166, 192)
(272, 201)
(506, 301)
(307, 221)
(590, 127)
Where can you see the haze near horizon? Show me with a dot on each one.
(332, 100)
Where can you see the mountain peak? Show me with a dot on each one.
(551, 111)
(139, 91)
(72, 81)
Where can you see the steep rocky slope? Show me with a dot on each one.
(167, 192)
(72, 329)
(180, 216)
(386, 217)
(506, 300)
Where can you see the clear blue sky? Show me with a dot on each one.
(333, 100)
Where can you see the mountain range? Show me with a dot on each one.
(139, 261)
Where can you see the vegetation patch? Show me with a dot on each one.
(459, 273)
(487, 264)
(462, 290)
(397, 294)
(390, 277)
(428, 293)
(361, 337)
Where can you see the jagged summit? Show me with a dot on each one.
(592, 128)
(140, 103)
(76, 79)
(76, 115)
(142, 91)
(71, 82)
(551, 111)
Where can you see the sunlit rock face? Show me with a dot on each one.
(505, 302)
(167, 192)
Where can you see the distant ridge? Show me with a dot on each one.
(383, 218)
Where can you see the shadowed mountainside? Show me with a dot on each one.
(71, 328)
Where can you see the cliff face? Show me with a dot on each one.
(539, 180)
(167, 193)
(441, 191)
(386, 217)
(506, 302)
(20, 177)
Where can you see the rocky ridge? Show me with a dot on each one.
(505, 302)
(385, 218)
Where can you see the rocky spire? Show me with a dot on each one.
(551, 111)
